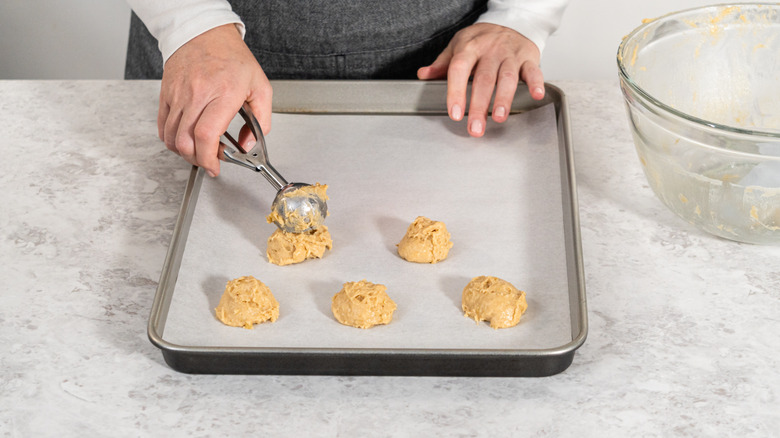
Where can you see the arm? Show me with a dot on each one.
(503, 47)
(209, 73)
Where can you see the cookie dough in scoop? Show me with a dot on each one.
(300, 208)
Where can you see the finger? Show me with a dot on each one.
(437, 69)
(532, 75)
(162, 116)
(261, 108)
(184, 141)
(170, 129)
(246, 138)
(221, 151)
(260, 101)
(506, 86)
(481, 91)
(458, 75)
(213, 121)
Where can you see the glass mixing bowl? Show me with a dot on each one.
(702, 93)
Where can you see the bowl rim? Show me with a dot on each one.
(675, 112)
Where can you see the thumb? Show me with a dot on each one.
(438, 69)
(262, 111)
(260, 101)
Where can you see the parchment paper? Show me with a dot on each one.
(500, 197)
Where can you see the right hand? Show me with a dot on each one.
(204, 84)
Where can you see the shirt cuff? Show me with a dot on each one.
(175, 36)
(174, 22)
(534, 20)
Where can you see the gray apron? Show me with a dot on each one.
(337, 39)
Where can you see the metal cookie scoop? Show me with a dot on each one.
(297, 207)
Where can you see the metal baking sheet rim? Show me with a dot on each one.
(387, 97)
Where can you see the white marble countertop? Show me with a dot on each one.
(682, 326)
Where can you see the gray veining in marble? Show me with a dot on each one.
(683, 326)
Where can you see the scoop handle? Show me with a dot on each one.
(257, 158)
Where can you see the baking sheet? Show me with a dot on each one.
(501, 197)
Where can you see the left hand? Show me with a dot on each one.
(496, 57)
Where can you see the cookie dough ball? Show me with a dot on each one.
(495, 300)
(288, 248)
(426, 241)
(363, 304)
(245, 302)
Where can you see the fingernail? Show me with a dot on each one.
(500, 112)
(456, 112)
(211, 173)
(539, 91)
(476, 127)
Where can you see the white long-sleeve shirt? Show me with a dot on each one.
(174, 22)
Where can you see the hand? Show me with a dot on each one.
(204, 84)
(497, 57)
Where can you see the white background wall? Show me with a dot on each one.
(87, 39)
